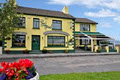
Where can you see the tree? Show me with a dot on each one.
(9, 18)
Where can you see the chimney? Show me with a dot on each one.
(14, 2)
(65, 10)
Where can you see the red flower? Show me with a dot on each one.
(15, 69)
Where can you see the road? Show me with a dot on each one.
(76, 64)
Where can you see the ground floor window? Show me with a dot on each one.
(18, 40)
(56, 41)
(84, 41)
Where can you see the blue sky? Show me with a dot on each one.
(105, 12)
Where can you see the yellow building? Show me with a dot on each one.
(52, 31)
(42, 30)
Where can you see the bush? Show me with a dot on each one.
(44, 51)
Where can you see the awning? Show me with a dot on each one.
(93, 35)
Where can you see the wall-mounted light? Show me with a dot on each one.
(28, 37)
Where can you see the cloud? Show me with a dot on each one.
(111, 4)
(117, 19)
(101, 13)
(105, 24)
(62, 2)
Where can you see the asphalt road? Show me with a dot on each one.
(76, 64)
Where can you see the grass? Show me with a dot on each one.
(83, 76)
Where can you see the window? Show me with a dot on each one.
(56, 41)
(0, 43)
(18, 41)
(57, 25)
(22, 22)
(84, 41)
(36, 23)
(85, 27)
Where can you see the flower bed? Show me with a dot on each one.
(22, 70)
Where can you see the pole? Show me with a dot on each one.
(92, 46)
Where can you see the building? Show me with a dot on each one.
(88, 39)
(53, 31)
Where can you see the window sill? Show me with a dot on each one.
(36, 28)
(18, 47)
(57, 29)
(55, 47)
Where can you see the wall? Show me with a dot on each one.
(43, 42)
(77, 29)
(92, 27)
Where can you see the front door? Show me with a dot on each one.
(35, 42)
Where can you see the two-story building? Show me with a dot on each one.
(53, 31)
(42, 30)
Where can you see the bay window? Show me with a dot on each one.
(56, 41)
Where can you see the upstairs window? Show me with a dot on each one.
(36, 23)
(18, 41)
(56, 25)
(85, 27)
(22, 22)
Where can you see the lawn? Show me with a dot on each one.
(83, 76)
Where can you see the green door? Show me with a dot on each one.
(35, 42)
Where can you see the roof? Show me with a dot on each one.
(42, 12)
(85, 20)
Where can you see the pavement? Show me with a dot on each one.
(69, 63)
(19, 56)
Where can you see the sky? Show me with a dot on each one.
(105, 12)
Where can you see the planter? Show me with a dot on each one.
(36, 77)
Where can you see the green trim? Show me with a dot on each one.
(89, 33)
(113, 50)
(74, 35)
(61, 51)
(13, 52)
(30, 51)
(103, 50)
(17, 47)
(55, 46)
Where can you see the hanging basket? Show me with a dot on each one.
(36, 77)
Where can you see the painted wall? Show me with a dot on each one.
(77, 29)
(43, 42)
(92, 27)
